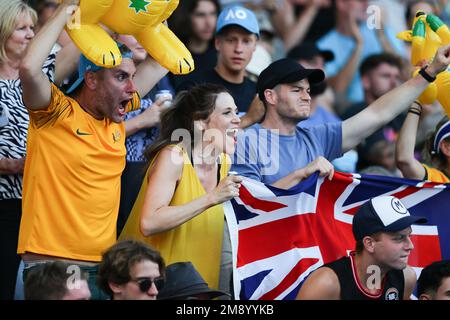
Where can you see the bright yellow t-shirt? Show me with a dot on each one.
(435, 175)
(71, 185)
(198, 240)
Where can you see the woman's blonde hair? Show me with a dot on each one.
(10, 10)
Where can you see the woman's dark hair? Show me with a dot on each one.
(180, 21)
(437, 159)
(195, 104)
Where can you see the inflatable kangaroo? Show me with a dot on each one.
(140, 18)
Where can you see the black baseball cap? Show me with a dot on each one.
(308, 50)
(382, 214)
(286, 71)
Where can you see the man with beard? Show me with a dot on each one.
(380, 73)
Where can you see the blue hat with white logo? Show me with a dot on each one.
(382, 214)
(238, 16)
(86, 65)
(443, 133)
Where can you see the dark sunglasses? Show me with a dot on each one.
(145, 283)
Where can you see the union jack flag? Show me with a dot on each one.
(279, 236)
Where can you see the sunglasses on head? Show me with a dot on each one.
(145, 283)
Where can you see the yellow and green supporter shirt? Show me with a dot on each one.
(71, 188)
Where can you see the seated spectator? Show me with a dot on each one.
(56, 280)
(434, 281)
(183, 282)
(380, 73)
(378, 269)
(378, 153)
(131, 270)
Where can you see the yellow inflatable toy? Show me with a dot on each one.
(140, 18)
(427, 35)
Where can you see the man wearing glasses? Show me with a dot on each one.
(131, 270)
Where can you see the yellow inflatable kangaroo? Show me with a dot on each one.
(427, 35)
(140, 18)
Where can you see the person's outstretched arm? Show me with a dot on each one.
(35, 84)
(388, 106)
(404, 151)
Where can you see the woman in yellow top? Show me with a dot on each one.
(178, 208)
(437, 149)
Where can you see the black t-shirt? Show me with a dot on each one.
(242, 93)
(393, 283)
(203, 61)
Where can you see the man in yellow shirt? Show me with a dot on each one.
(75, 153)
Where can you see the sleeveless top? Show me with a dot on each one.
(198, 240)
(392, 286)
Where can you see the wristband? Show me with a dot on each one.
(414, 111)
(426, 76)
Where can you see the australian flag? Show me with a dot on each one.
(280, 236)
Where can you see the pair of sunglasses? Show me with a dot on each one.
(145, 283)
